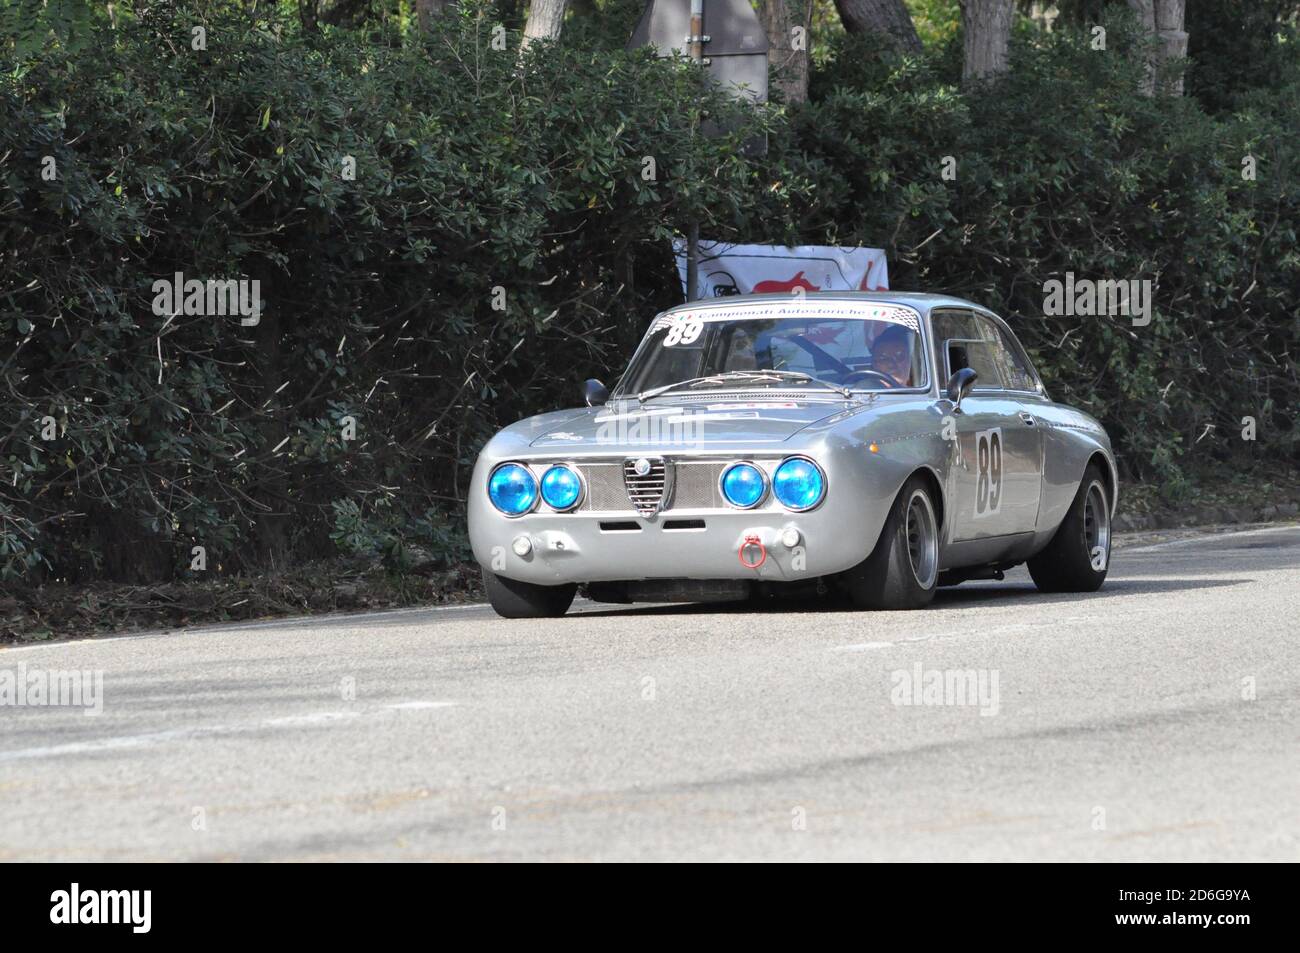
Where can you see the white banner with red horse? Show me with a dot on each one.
(727, 269)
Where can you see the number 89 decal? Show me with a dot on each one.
(683, 331)
(988, 470)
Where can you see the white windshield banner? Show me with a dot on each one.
(727, 269)
(688, 322)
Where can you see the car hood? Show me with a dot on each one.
(717, 420)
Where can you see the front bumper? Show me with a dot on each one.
(578, 547)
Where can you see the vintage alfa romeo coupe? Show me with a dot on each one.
(885, 444)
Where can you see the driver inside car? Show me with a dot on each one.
(741, 357)
(891, 354)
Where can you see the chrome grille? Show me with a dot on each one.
(696, 486)
(605, 492)
(647, 493)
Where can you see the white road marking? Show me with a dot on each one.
(418, 706)
(863, 647)
(57, 643)
(333, 617)
(1207, 537)
(319, 718)
(151, 739)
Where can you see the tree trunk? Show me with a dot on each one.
(789, 66)
(1163, 21)
(427, 10)
(1145, 11)
(888, 18)
(545, 18)
(986, 28)
(1173, 38)
(307, 14)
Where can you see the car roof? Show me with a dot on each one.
(921, 301)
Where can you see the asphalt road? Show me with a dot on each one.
(1156, 720)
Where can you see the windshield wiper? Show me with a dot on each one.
(808, 378)
(765, 374)
(689, 382)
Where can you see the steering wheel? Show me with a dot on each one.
(883, 378)
(846, 372)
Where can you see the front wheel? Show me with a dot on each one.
(902, 572)
(513, 599)
(1078, 557)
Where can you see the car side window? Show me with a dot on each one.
(961, 341)
(966, 339)
(1012, 369)
(948, 326)
(982, 357)
(1015, 367)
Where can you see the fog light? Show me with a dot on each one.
(512, 489)
(798, 484)
(790, 537)
(561, 488)
(743, 485)
(522, 546)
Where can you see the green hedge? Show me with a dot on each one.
(473, 172)
(476, 171)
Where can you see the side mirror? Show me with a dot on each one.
(594, 393)
(959, 385)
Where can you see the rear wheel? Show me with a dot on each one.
(513, 599)
(902, 572)
(1078, 557)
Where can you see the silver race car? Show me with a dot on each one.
(885, 444)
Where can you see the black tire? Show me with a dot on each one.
(890, 578)
(1078, 557)
(513, 599)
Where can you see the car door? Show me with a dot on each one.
(997, 471)
(1025, 396)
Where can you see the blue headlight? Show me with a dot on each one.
(561, 488)
(743, 485)
(512, 489)
(799, 484)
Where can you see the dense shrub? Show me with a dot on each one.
(478, 174)
(480, 181)
(1238, 46)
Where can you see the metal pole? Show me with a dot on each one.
(693, 228)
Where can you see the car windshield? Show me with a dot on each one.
(874, 348)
